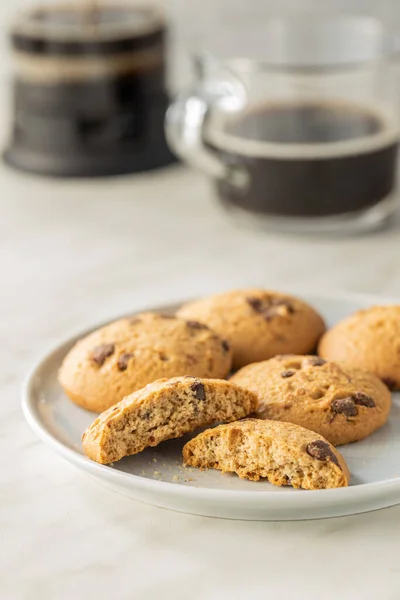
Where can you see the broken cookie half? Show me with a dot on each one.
(163, 410)
(283, 453)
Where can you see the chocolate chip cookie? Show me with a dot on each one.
(258, 324)
(164, 410)
(126, 355)
(343, 404)
(284, 453)
(368, 339)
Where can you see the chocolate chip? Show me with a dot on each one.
(322, 451)
(270, 307)
(163, 356)
(100, 353)
(390, 383)
(345, 406)
(363, 400)
(225, 346)
(255, 304)
(196, 325)
(199, 392)
(314, 361)
(287, 373)
(123, 361)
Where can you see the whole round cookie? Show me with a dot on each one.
(126, 355)
(368, 339)
(343, 404)
(259, 324)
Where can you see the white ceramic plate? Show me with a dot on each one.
(156, 476)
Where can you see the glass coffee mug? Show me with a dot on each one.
(305, 140)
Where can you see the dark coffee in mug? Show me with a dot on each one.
(308, 159)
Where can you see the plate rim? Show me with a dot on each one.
(29, 409)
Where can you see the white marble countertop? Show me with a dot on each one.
(73, 253)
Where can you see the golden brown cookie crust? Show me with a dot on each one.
(258, 323)
(340, 403)
(369, 340)
(284, 453)
(164, 410)
(126, 355)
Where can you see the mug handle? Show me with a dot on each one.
(184, 125)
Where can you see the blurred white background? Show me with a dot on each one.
(199, 21)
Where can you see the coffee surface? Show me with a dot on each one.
(307, 123)
(285, 179)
